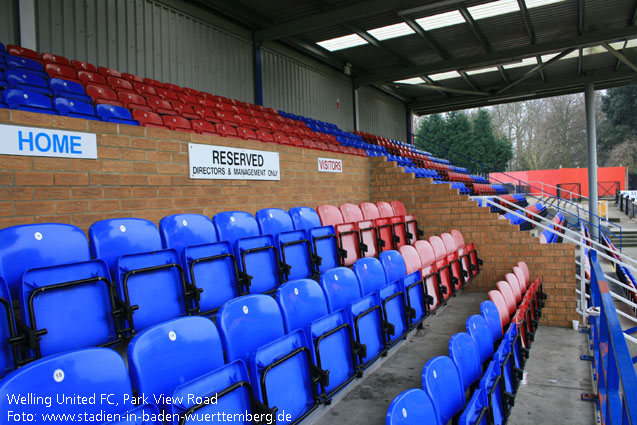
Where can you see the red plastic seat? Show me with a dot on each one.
(509, 298)
(120, 85)
(88, 77)
(154, 83)
(191, 99)
(132, 78)
(190, 91)
(264, 136)
(167, 94)
(281, 139)
(172, 87)
(453, 259)
(295, 141)
(468, 254)
(400, 211)
(184, 110)
(83, 66)
(367, 230)
(385, 232)
(160, 106)
(103, 95)
(133, 101)
(501, 305)
(429, 273)
(226, 130)
(519, 274)
(177, 123)
(203, 127)
(144, 89)
(515, 287)
(398, 223)
(109, 72)
(247, 133)
(24, 52)
(346, 233)
(61, 71)
(443, 268)
(60, 60)
(148, 119)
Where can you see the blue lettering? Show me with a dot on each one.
(76, 143)
(46, 147)
(61, 146)
(21, 140)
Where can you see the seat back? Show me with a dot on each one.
(180, 231)
(515, 286)
(329, 215)
(458, 238)
(234, 225)
(464, 353)
(399, 208)
(412, 407)
(273, 221)
(169, 354)
(247, 323)
(341, 287)
(323, 241)
(440, 251)
(411, 258)
(38, 245)
(525, 270)
(302, 301)
(304, 218)
(519, 274)
(449, 242)
(428, 258)
(479, 330)
(371, 275)
(442, 382)
(369, 210)
(501, 308)
(81, 373)
(351, 213)
(509, 298)
(491, 314)
(385, 209)
(394, 266)
(109, 239)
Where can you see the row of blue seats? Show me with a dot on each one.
(291, 354)
(475, 369)
(131, 275)
(423, 172)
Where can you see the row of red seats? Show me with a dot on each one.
(519, 301)
(483, 189)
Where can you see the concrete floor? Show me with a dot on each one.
(555, 375)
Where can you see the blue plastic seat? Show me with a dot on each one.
(23, 79)
(31, 101)
(180, 231)
(252, 330)
(91, 372)
(464, 353)
(149, 278)
(496, 399)
(20, 63)
(342, 291)
(75, 108)
(257, 256)
(479, 330)
(115, 114)
(68, 89)
(303, 306)
(293, 245)
(411, 407)
(164, 356)
(490, 314)
(322, 238)
(441, 380)
(412, 284)
(476, 411)
(373, 281)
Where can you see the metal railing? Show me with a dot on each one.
(616, 378)
(479, 168)
(572, 195)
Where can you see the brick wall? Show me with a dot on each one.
(143, 172)
(501, 245)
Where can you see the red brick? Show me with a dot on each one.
(34, 207)
(71, 179)
(71, 206)
(33, 179)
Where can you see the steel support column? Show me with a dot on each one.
(591, 137)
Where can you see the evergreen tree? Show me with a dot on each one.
(620, 124)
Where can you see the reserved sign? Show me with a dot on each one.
(225, 163)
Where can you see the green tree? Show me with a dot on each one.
(431, 135)
(620, 123)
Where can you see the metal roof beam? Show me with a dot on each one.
(527, 21)
(489, 59)
(438, 87)
(618, 64)
(537, 68)
(477, 31)
(234, 8)
(619, 56)
(429, 39)
(320, 53)
(378, 45)
(330, 17)
(562, 86)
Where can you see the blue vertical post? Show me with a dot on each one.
(258, 77)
